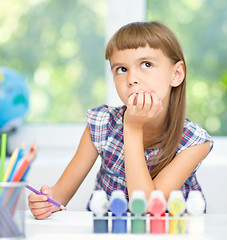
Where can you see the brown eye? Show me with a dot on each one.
(121, 70)
(146, 65)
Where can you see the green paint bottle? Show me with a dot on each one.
(137, 206)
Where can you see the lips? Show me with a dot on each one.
(140, 91)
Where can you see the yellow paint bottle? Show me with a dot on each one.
(176, 209)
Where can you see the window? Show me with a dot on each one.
(57, 46)
(67, 83)
(201, 27)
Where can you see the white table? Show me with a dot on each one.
(73, 225)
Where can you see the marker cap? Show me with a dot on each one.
(99, 203)
(195, 203)
(157, 203)
(176, 203)
(138, 203)
(118, 203)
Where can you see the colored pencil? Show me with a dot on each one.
(23, 168)
(10, 165)
(8, 227)
(32, 150)
(48, 198)
(19, 156)
(10, 197)
(11, 225)
(3, 154)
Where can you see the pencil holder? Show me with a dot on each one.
(12, 210)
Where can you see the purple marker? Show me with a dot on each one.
(48, 198)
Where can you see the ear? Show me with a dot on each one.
(178, 74)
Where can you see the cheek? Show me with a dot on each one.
(121, 91)
(162, 90)
(165, 94)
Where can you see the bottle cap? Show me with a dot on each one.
(99, 203)
(138, 203)
(157, 203)
(118, 203)
(195, 203)
(176, 203)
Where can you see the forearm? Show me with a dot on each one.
(71, 179)
(63, 191)
(136, 171)
(76, 170)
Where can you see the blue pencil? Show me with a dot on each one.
(19, 156)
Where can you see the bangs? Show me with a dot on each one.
(133, 36)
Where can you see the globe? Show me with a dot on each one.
(14, 99)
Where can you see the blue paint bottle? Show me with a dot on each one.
(99, 206)
(118, 207)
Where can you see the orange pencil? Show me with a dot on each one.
(32, 147)
(24, 166)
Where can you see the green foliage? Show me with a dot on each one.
(58, 46)
(201, 27)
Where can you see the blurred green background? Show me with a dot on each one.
(59, 47)
(201, 27)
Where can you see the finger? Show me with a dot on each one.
(131, 100)
(46, 190)
(147, 101)
(40, 211)
(155, 104)
(37, 205)
(43, 215)
(140, 101)
(33, 197)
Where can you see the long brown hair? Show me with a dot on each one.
(158, 36)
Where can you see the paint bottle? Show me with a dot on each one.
(118, 207)
(195, 206)
(176, 208)
(137, 207)
(99, 206)
(157, 208)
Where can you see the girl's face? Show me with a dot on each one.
(142, 70)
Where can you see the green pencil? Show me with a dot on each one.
(3, 154)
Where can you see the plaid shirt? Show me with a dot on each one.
(106, 129)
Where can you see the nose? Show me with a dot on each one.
(132, 80)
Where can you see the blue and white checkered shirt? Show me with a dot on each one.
(106, 129)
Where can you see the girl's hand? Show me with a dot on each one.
(142, 107)
(39, 205)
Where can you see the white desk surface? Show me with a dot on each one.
(73, 225)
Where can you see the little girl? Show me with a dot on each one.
(147, 143)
